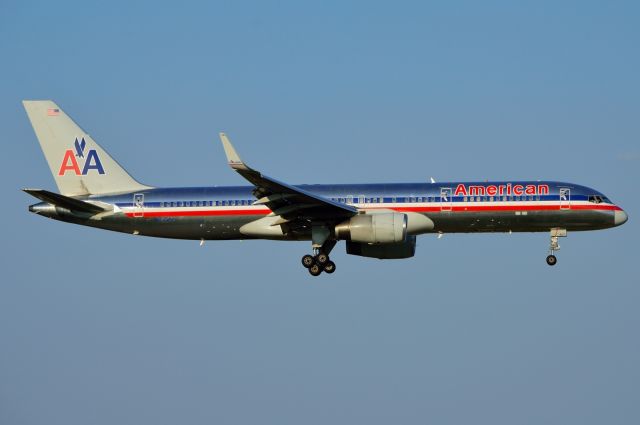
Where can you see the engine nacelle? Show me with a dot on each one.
(383, 228)
(406, 249)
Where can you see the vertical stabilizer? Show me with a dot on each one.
(78, 164)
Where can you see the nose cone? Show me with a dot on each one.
(619, 217)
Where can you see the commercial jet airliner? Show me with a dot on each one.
(375, 220)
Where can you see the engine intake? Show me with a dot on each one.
(380, 228)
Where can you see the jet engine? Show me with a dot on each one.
(384, 228)
(405, 249)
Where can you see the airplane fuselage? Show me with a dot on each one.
(218, 213)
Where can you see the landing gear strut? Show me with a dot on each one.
(554, 245)
(320, 262)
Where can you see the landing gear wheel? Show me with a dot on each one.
(330, 267)
(552, 260)
(315, 269)
(322, 258)
(308, 261)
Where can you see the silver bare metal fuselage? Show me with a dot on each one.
(218, 213)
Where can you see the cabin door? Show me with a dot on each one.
(445, 199)
(138, 205)
(565, 198)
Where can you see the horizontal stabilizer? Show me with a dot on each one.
(64, 201)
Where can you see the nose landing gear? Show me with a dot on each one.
(554, 245)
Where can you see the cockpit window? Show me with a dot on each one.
(597, 199)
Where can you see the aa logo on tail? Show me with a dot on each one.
(71, 158)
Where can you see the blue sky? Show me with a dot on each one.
(103, 328)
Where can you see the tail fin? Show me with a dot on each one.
(78, 164)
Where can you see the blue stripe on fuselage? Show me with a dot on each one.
(390, 192)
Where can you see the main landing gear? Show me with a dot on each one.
(554, 245)
(320, 262)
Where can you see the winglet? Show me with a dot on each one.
(232, 156)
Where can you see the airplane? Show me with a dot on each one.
(375, 220)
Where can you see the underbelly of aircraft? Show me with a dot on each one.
(225, 228)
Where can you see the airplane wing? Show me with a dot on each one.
(287, 201)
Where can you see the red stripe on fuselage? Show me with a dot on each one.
(438, 208)
(199, 213)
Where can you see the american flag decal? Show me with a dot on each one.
(52, 112)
